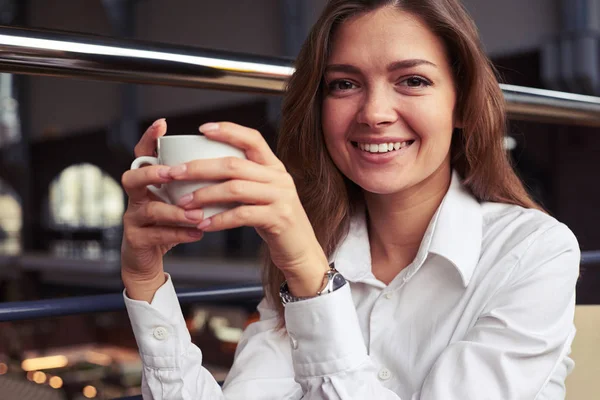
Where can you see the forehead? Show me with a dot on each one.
(385, 35)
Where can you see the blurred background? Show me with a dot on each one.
(65, 142)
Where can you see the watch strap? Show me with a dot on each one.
(332, 281)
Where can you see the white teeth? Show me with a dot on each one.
(383, 147)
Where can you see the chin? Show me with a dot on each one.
(381, 187)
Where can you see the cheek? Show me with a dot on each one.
(336, 121)
(433, 122)
(336, 118)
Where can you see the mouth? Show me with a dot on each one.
(376, 148)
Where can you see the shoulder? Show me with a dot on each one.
(524, 239)
(524, 225)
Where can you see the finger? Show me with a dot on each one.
(134, 181)
(219, 169)
(254, 216)
(147, 144)
(159, 213)
(247, 139)
(233, 191)
(157, 236)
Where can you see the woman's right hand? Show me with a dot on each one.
(150, 226)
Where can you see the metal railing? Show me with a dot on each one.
(44, 52)
(22, 310)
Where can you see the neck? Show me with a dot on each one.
(397, 222)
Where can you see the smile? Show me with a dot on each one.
(382, 147)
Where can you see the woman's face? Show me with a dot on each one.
(388, 106)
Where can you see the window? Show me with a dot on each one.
(86, 208)
(83, 196)
(11, 221)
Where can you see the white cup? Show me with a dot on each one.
(180, 149)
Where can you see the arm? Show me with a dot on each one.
(172, 364)
(269, 202)
(519, 344)
(515, 350)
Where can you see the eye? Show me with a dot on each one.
(415, 82)
(340, 85)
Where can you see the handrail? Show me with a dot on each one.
(13, 311)
(21, 310)
(56, 53)
(590, 257)
(66, 54)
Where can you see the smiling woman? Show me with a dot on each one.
(405, 258)
(396, 92)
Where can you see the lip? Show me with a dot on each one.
(379, 140)
(380, 158)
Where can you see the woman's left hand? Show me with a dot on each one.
(268, 201)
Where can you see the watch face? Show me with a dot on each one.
(338, 281)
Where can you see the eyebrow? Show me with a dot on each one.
(396, 65)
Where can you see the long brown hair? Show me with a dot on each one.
(477, 151)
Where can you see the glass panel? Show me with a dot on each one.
(85, 196)
(11, 221)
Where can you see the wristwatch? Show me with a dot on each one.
(332, 281)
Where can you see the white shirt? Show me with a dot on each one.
(485, 311)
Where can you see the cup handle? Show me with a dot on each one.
(160, 192)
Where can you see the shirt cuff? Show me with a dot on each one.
(325, 334)
(159, 327)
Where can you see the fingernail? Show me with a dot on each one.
(204, 224)
(178, 170)
(195, 234)
(164, 172)
(157, 122)
(185, 199)
(194, 215)
(211, 126)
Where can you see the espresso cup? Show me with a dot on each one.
(179, 149)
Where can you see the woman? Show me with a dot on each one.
(447, 281)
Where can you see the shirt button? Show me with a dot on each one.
(389, 295)
(384, 374)
(160, 333)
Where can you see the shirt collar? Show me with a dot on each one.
(458, 233)
(454, 233)
(353, 255)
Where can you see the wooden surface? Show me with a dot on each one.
(584, 381)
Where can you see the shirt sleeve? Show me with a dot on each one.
(328, 350)
(517, 349)
(172, 364)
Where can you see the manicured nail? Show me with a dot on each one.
(194, 215)
(204, 224)
(211, 126)
(164, 172)
(157, 122)
(185, 199)
(196, 234)
(178, 170)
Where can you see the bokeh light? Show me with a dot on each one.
(56, 382)
(90, 392)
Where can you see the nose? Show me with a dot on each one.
(378, 109)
